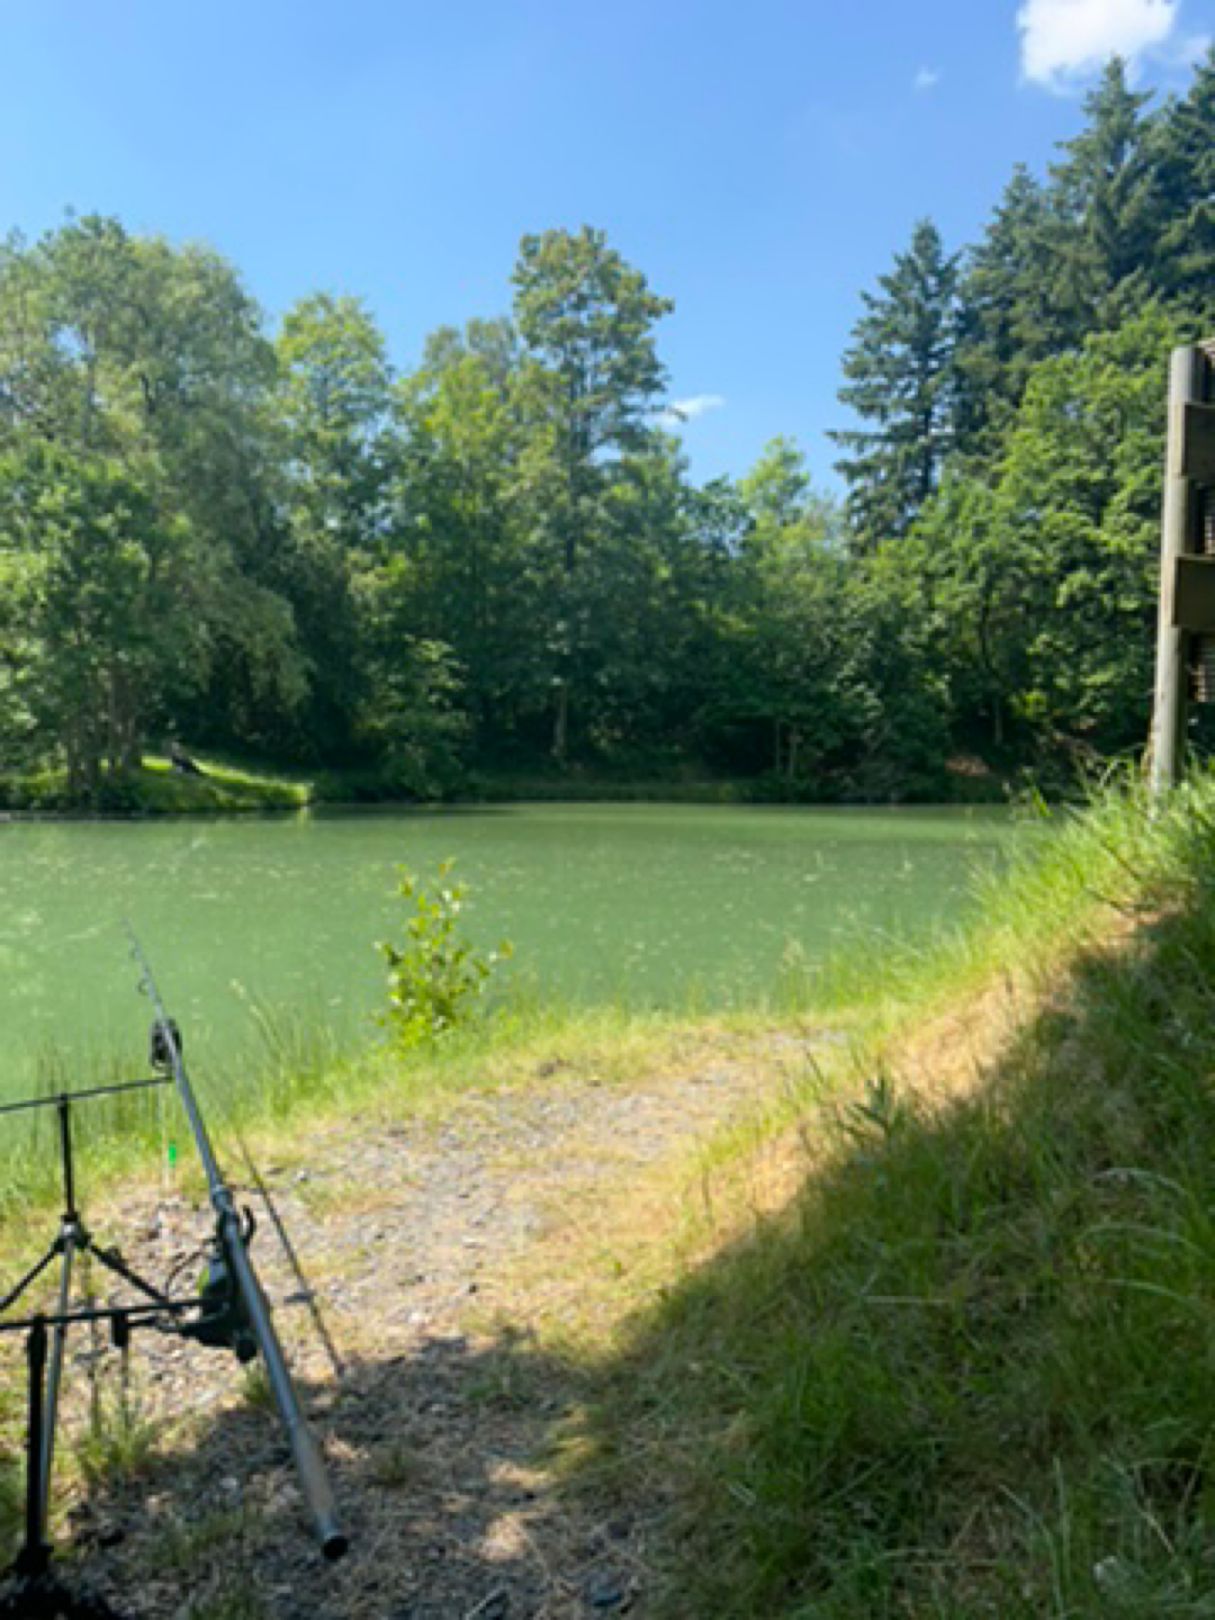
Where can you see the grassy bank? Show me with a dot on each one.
(964, 1369)
(156, 789)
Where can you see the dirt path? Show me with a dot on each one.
(436, 1252)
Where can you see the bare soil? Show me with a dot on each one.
(451, 1266)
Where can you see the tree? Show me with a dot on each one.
(144, 365)
(333, 401)
(646, 590)
(900, 371)
(1044, 584)
(459, 522)
(777, 702)
(410, 718)
(1005, 320)
(99, 626)
(972, 568)
(1180, 169)
(1099, 228)
(1079, 507)
(592, 375)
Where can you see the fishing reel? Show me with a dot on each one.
(162, 1038)
(223, 1320)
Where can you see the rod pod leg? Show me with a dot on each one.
(38, 1595)
(35, 1555)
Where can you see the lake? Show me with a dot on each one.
(652, 905)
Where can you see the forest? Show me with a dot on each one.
(263, 539)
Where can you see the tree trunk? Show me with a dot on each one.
(123, 746)
(83, 750)
(561, 722)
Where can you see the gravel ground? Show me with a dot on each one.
(433, 1254)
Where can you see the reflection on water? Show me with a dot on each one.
(645, 903)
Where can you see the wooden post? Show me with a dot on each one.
(1187, 387)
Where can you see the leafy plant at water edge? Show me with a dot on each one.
(436, 977)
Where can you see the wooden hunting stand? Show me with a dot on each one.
(1185, 646)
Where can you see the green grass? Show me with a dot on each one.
(155, 789)
(967, 1372)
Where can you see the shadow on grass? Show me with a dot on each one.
(969, 1371)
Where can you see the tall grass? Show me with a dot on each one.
(967, 1371)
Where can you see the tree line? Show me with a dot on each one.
(269, 541)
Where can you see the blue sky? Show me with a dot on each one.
(760, 162)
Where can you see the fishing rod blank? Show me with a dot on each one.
(166, 1052)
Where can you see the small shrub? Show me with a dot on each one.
(120, 1441)
(436, 978)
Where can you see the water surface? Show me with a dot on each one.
(650, 904)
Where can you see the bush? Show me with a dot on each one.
(436, 978)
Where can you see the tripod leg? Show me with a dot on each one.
(31, 1275)
(35, 1553)
(35, 1593)
(113, 1261)
(55, 1375)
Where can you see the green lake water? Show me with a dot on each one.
(651, 905)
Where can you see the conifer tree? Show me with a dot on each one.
(1098, 234)
(1181, 159)
(900, 371)
(1005, 322)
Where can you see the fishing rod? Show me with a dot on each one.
(233, 1284)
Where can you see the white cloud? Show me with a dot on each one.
(682, 411)
(926, 79)
(1062, 40)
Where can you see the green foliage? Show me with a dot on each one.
(1045, 580)
(1181, 178)
(99, 605)
(586, 317)
(131, 448)
(590, 376)
(1002, 328)
(437, 977)
(466, 576)
(498, 565)
(901, 378)
(333, 411)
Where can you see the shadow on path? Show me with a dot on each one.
(433, 1456)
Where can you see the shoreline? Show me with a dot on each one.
(224, 792)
